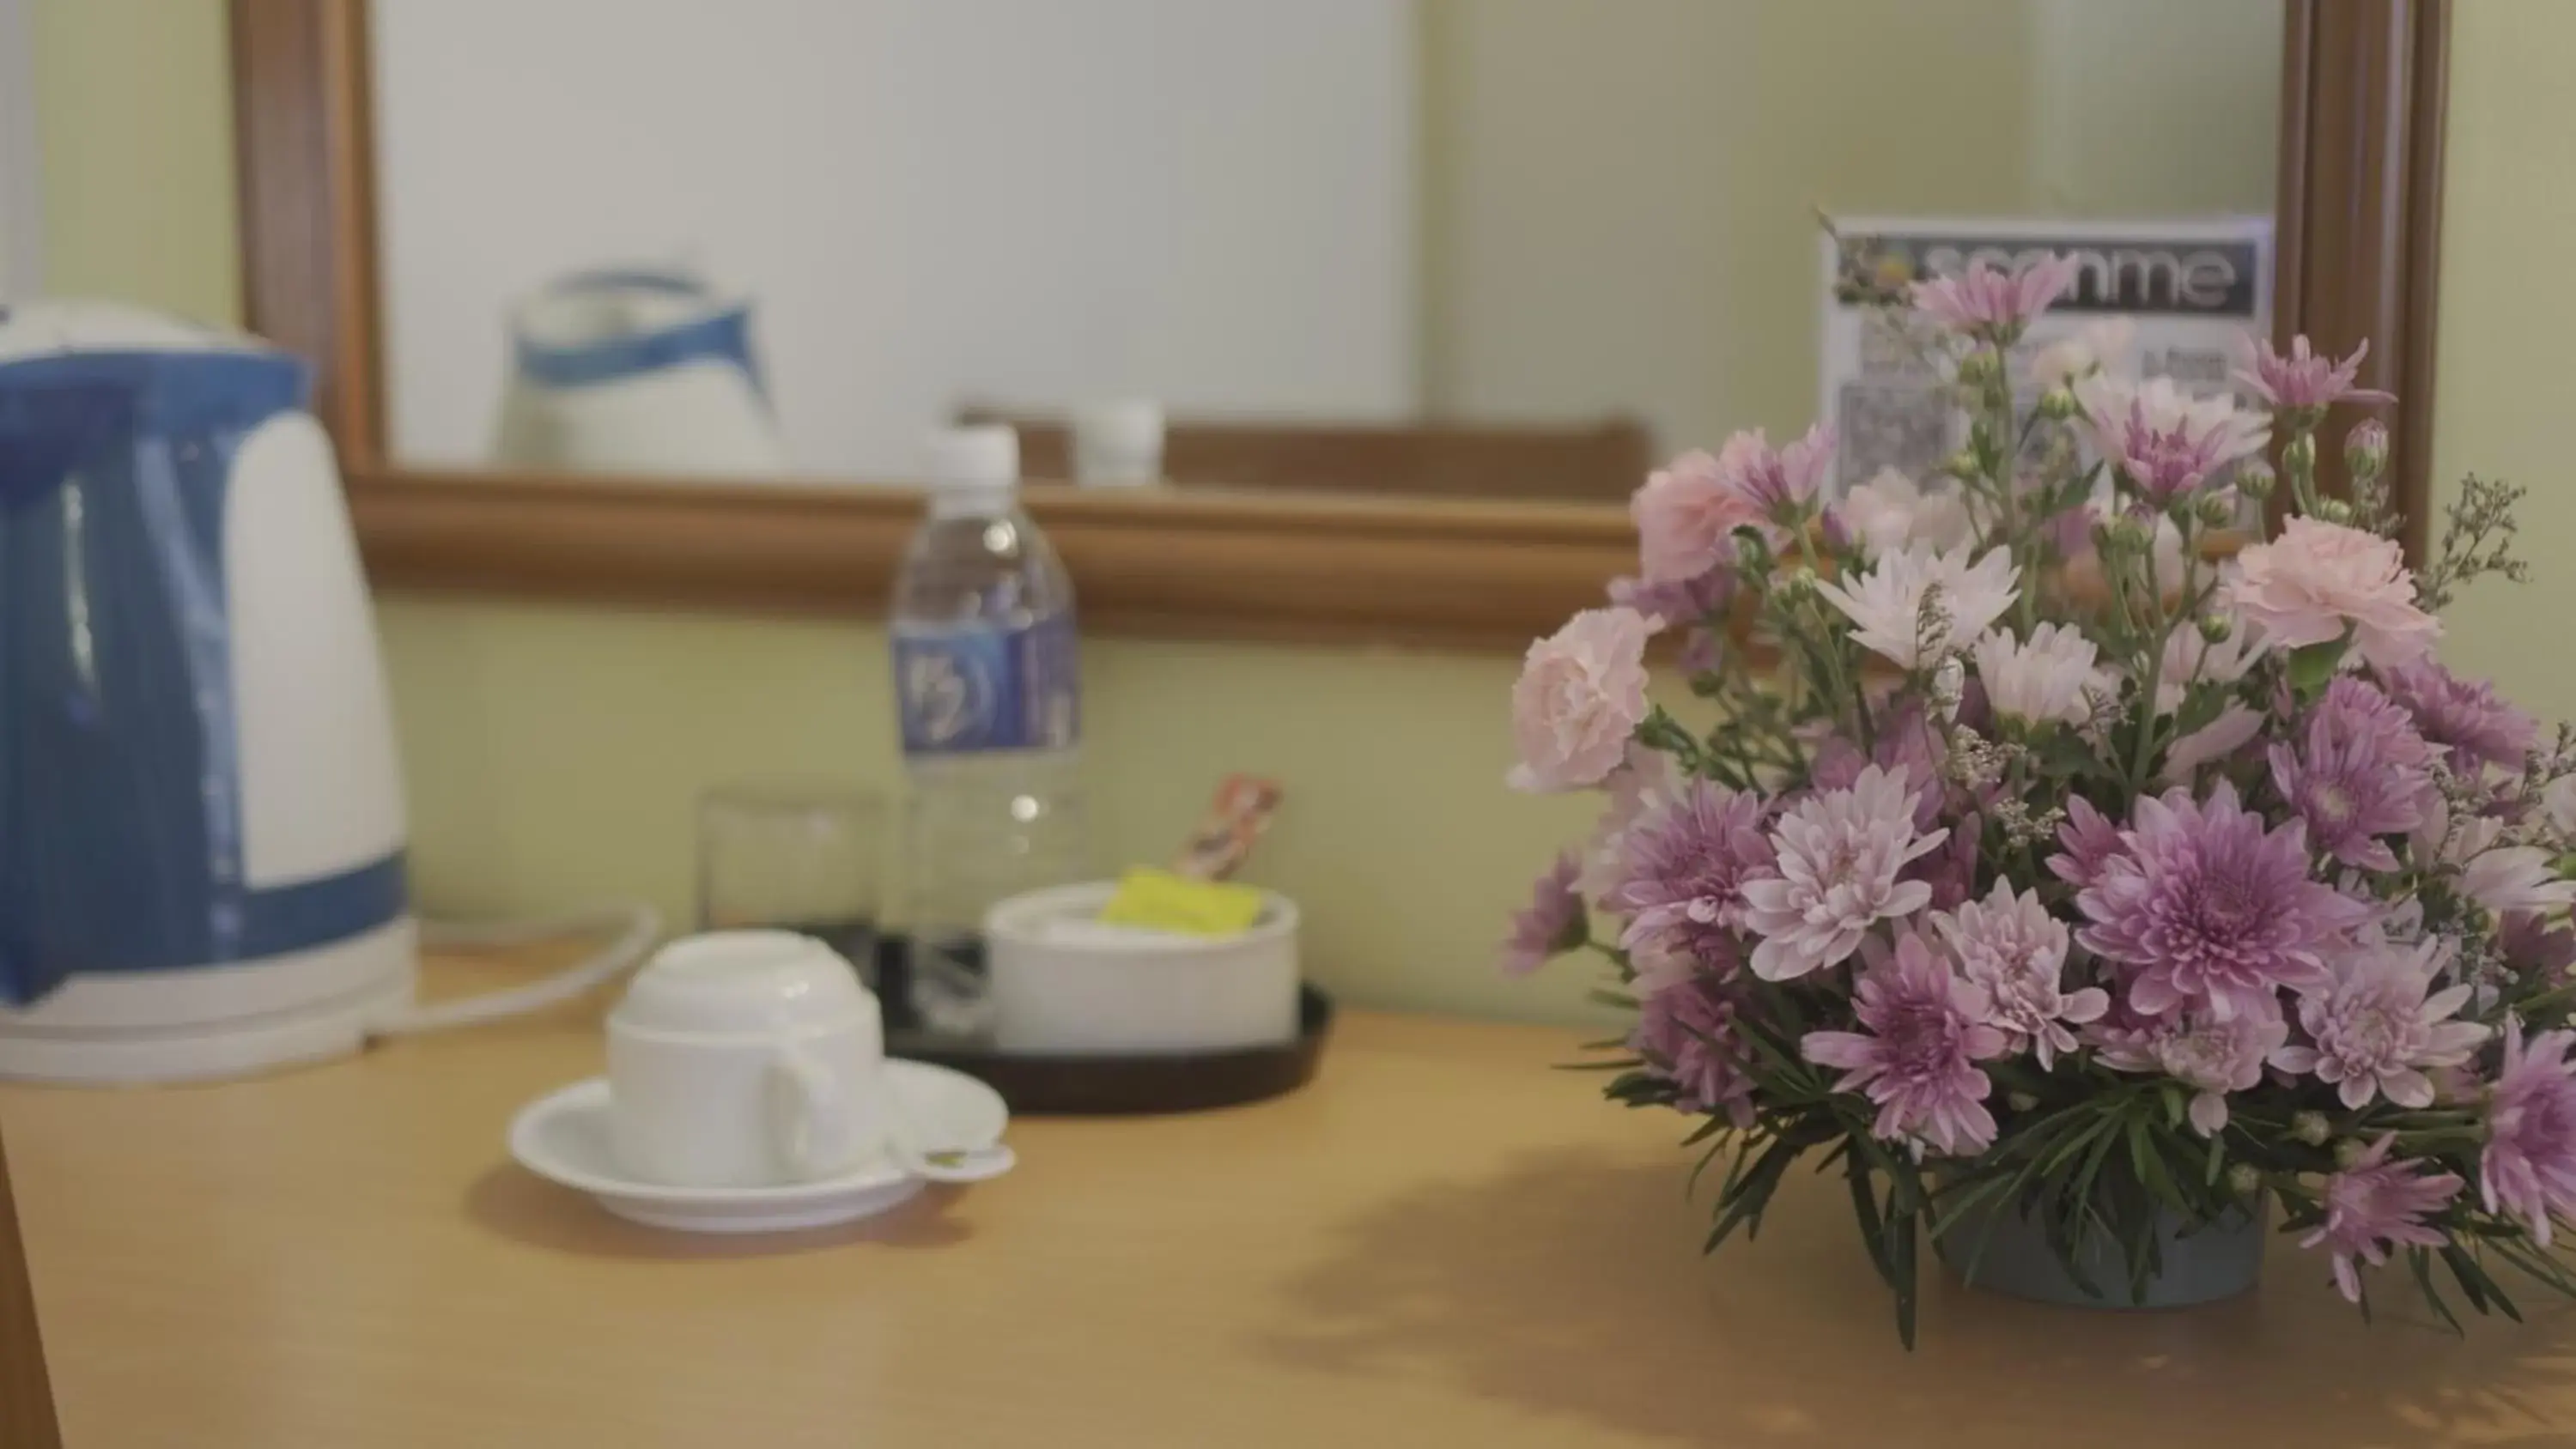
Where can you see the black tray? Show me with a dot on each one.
(1089, 1086)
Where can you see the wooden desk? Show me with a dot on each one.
(1443, 1242)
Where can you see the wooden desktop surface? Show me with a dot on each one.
(1441, 1242)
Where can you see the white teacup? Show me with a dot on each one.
(745, 1059)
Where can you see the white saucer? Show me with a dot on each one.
(563, 1137)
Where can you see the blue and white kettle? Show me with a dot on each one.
(637, 370)
(201, 811)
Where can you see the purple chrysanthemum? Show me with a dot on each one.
(2529, 1165)
(1678, 602)
(2375, 1205)
(2089, 838)
(1927, 1030)
(2304, 379)
(2462, 716)
(1679, 871)
(2382, 1025)
(1686, 1034)
(2531, 946)
(1551, 923)
(2210, 910)
(2357, 775)
(1906, 741)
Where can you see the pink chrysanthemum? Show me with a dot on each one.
(1679, 871)
(1686, 1034)
(2529, 1165)
(2359, 773)
(1551, 923)
(1839, 855)
(2304, 379)
(2210, 910)
(2376, 1205)
(1781, 481)
(2011, 948)
(1991, 305)
(2165, 441)
(2462, 716)
(2382, 1026)
(2210, 1056)
(1927, 1030)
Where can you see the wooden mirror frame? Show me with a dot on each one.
(2358, 223)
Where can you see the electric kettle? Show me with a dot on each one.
(201, 813)
(636, 370)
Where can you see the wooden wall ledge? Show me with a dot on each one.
(1195, 564)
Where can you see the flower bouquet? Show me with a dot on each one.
(2067, 855)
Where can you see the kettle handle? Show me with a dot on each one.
(637, 926)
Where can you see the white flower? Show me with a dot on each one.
(2506, 879)
(2041, 682)
(2235, 728)
(2016, 950)
(1889, 511)
(2190, 659)
(1886, 603)
(2513, 879)
(2087, 350)
(2381, 1023)
(1839, 855)
(2558, 806)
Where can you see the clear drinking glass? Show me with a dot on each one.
(801, 856)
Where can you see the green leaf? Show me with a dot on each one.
(2422, 1264)
(2313, 666)
(1873, 1230)
(2464, 1271)
(1901, 1254)
(2217, 1166)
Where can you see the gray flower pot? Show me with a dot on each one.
(2011, 1255)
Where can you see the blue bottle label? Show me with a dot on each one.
(975, 687)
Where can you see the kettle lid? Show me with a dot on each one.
(48, 329)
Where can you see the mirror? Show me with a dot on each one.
(1481, 248)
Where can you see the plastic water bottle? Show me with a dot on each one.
(988, 685)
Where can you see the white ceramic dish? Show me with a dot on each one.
(564, 1138)
(1063, 984)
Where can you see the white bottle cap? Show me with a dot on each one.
(1118, 443)
(986, 456)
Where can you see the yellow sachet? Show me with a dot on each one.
(1157, 900)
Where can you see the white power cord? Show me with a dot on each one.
(637, 927)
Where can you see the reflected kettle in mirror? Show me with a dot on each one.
(636, 370)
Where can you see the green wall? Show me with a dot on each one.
(553, 752)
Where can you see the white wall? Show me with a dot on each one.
(1029, 201)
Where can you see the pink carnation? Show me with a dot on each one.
(2317, 578)
(1581, 694)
